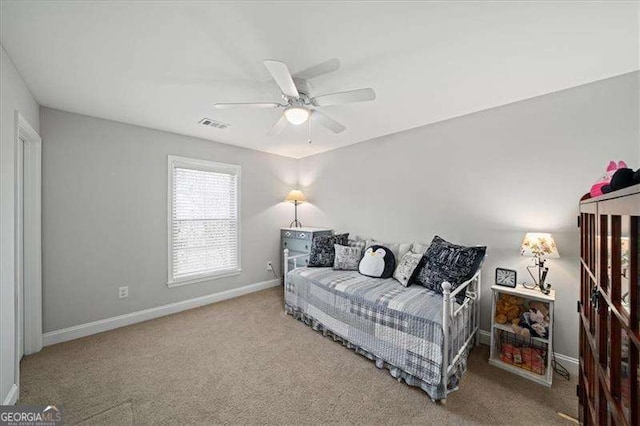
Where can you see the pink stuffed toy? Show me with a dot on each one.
(596, 189)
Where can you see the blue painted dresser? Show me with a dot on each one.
(298, 241)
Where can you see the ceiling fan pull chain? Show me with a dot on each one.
(309, 121)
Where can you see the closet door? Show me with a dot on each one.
(610, 323)
(588, 377)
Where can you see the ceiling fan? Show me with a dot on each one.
(300, 106)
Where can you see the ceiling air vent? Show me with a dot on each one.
(213, 123)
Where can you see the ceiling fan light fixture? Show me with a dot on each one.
(297, 115)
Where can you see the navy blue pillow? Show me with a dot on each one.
(444, 261)
(322, 251)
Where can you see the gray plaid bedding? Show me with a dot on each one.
(398, 327)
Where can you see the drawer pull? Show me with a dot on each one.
(302, 235)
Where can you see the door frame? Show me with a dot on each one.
(28, 261)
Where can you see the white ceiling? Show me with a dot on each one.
(164, 64)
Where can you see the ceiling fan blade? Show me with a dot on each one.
(359, 95)
(282, 76)
(279, 126)
(248, 105)
(317, 70)
(327, 121)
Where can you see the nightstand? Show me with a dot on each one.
(298, 241)
(529, 357)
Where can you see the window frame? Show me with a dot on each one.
(211, 166)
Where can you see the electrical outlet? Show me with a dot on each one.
(123, 292)
(269, 266)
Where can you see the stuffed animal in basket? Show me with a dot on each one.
(536, 322)
(539, 306)
(508, 308)
(520, 331)
(596, 189)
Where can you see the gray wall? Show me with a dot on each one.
(15, 97)
(485, 178)
(105, 216)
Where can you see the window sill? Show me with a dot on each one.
(203, 278)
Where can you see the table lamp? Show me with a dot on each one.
(540, 246)
(295, 196)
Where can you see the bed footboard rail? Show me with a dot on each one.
(460, 323)
(285, 267)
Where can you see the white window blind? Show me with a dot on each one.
(203, 228)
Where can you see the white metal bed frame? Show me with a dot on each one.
(460, 323)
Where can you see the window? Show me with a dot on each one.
(203, 220)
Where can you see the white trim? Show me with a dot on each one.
(485, 337)
(12, 395)
(19, 242)
(27, 245)
(205, 277)
(172, 161)
(75, 332)
(570, 363)
(32, 235)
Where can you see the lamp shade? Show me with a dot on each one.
(295, 195)
(538, 244)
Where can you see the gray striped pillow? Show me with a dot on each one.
(359, 244)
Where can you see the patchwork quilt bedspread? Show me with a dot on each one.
(398, 326)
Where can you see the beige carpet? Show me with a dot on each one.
(244, 361)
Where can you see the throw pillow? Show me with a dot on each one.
(323, 251)
(444, 261)
(419, 248)
(357, 243)
(406, 267)
(377, 262)
(347, 258)
(398, 249)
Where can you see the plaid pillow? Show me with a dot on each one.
(322, 250)
(359, 244)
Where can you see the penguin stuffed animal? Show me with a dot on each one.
(377, 262)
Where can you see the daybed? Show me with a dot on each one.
(403, 329)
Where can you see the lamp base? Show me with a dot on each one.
(296, 223)
(545, 288)
(541, 283)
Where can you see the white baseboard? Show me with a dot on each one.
(568, 362)
(12, 395)
(485, 337)
(571, 364)
(82, 330)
